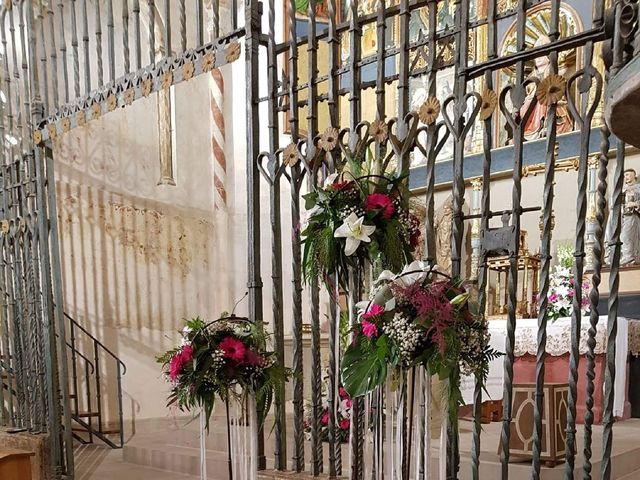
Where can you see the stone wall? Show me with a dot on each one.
(38, 444)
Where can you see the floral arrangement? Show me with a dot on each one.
(419, 317)
(224, 358)
(354, 219)
(562, 287)
(343, 420)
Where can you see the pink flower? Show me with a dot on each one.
(369, 329)
(381, 202)
(253, 358)
(178, 361)
(373, 311)
(175, 367)
(347, 403)
(344, 424)
(187, 353)
(343, 393)
(553, 297)
(343, 185)
(233, 348)
(325, 418)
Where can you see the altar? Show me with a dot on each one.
(557, 361)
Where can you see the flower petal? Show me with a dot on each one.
(330, 179)
(343, 230)
(368, 229)
(351, 246)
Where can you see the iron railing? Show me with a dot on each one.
(38, 60)
(461, 35)
(92, 385)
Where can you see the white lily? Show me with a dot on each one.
(355, 232)
(415, 272)
(330, 179)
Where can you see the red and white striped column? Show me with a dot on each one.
(216, 90)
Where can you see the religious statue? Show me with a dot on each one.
(630, 232)
(443, 225)
(630, 226)
(536, 126)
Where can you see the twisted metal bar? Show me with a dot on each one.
(152, 31)
(280, 429)
(183, 25)
(333, 98)
(335, 452)
(98, 34)
(85, 43)
(512, 276)
(53, 59)
(252, 41)
(215, 18)
(63, 53)
(295, 179)
(298, 385)
(357, 412)
(138, 41)
(125, 36)
(612, 330)
(614, 276)
(43, 60)
(584, 120)
(381, 27)
(200, 21)
(457, 231)
(357, 405)
(316, 366)
(403, 74)
(111, 41)
(594, 297)
(545, 257)
(74, 48)
(167, 28)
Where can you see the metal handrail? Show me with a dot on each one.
(94, 339)
(75, 350)
(87, 423)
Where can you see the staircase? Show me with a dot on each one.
(95, 387)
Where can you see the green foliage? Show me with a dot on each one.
(201, 370)
(432, 323)
(363, 369)
(565, 256)
(391, 241)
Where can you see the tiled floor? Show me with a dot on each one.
(94, 462)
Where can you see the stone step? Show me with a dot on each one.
(176, 459)
(631, 476)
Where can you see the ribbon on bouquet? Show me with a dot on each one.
(203, 445)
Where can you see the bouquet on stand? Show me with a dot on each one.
(356, 219)
(418, 318)
(343, 417)
(562, 287)
(226, 358)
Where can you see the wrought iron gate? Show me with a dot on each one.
(333, 56)
(310, 90)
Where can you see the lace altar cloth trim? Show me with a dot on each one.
(634, 338)
(559, 336)
(558, 340)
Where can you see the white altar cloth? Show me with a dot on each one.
(558, 343)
